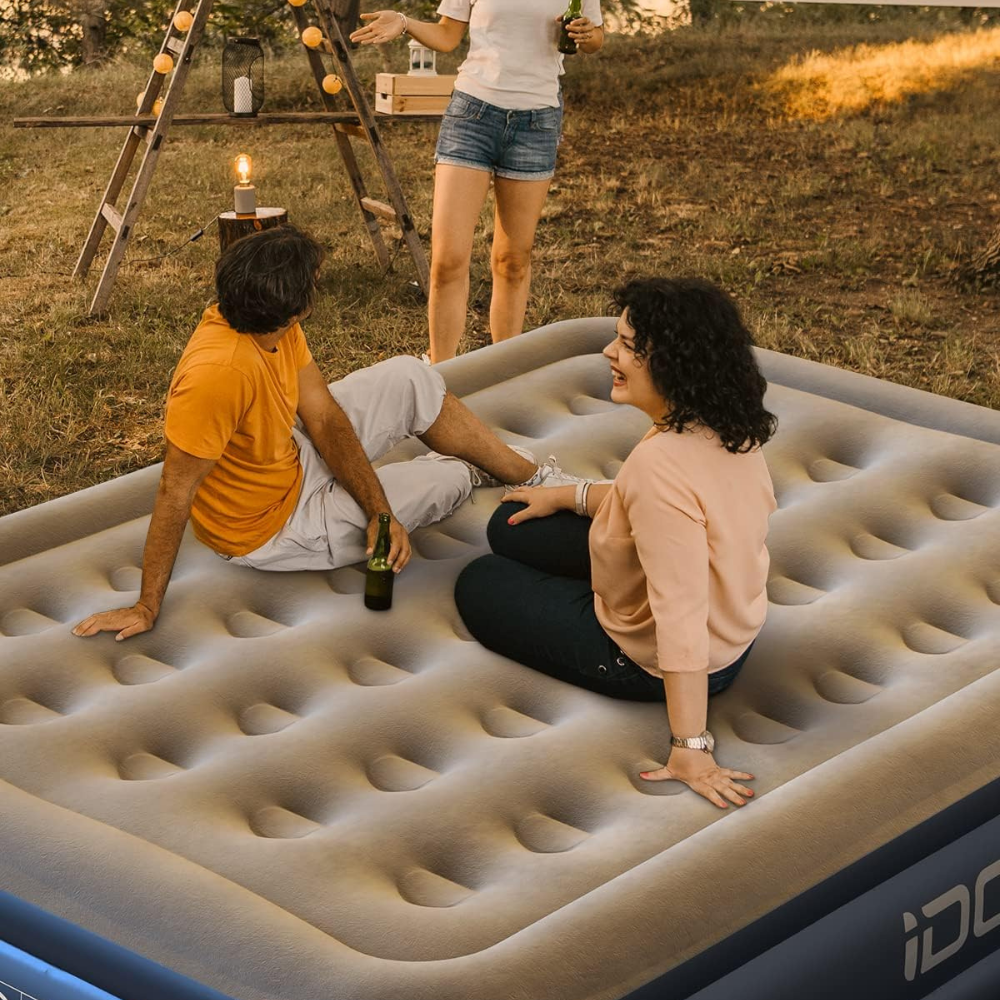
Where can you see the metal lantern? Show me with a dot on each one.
(243, 77)
(423, 61)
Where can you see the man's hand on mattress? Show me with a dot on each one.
(541, 500)
(125, 621)
(399, 542)
(699, 771)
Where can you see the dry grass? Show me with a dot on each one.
(838, 235)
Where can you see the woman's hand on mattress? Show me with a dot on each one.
(541, 500)
(125, 621)
(699, 771)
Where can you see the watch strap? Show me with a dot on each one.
(703, 742)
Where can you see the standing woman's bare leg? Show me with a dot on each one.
(459, 193)
(519, 207)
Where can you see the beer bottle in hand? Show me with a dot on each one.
(566, 44)
(378, 580)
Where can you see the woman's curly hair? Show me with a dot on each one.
(700, 356)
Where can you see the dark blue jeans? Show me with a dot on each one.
(531, 601)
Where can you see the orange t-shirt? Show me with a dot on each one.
(234, 402)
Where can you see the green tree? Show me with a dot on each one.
(48, 34)
(54, 33)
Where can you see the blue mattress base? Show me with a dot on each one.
(844, 937)
(82, 955)
(24, 977)
(847, 936)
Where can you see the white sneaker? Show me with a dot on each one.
(480, 477)
(549, 474)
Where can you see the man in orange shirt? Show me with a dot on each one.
(273, 466)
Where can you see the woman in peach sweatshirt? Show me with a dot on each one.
(658, 587)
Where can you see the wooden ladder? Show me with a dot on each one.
(180, 46)
(371, 210)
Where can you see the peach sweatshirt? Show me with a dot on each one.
(679, 564)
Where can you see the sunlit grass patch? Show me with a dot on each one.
(820, 85)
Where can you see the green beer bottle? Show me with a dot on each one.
(378, 580)
(566, 44)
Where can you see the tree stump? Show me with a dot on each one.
(233, 227)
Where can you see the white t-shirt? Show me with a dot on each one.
(513, 61)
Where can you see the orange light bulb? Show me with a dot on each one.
(163, 63)
(244, 167)
(183, 20)
(312, 37)
(332, 83)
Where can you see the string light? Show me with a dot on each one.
(183, 20)
(312, 37)
(157, 104)
(163, 63)
(332, 83)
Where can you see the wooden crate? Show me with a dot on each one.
(401, 94)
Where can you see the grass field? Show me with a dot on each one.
(831, 177)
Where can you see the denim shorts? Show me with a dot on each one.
(520, 145)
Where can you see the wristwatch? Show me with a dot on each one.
(704, 742)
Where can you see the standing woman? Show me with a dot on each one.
(504, 121)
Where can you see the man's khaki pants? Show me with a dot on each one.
(386, 403)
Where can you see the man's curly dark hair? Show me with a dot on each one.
(700, 356)
(268, 278)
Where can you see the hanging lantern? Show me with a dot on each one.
(423, 61)
(243, 77)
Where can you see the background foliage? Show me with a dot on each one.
(48, 34)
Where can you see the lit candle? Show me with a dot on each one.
(242, 96)
(244, 194)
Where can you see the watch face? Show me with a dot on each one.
(709, 741)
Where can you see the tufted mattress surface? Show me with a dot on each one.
(280, 794)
